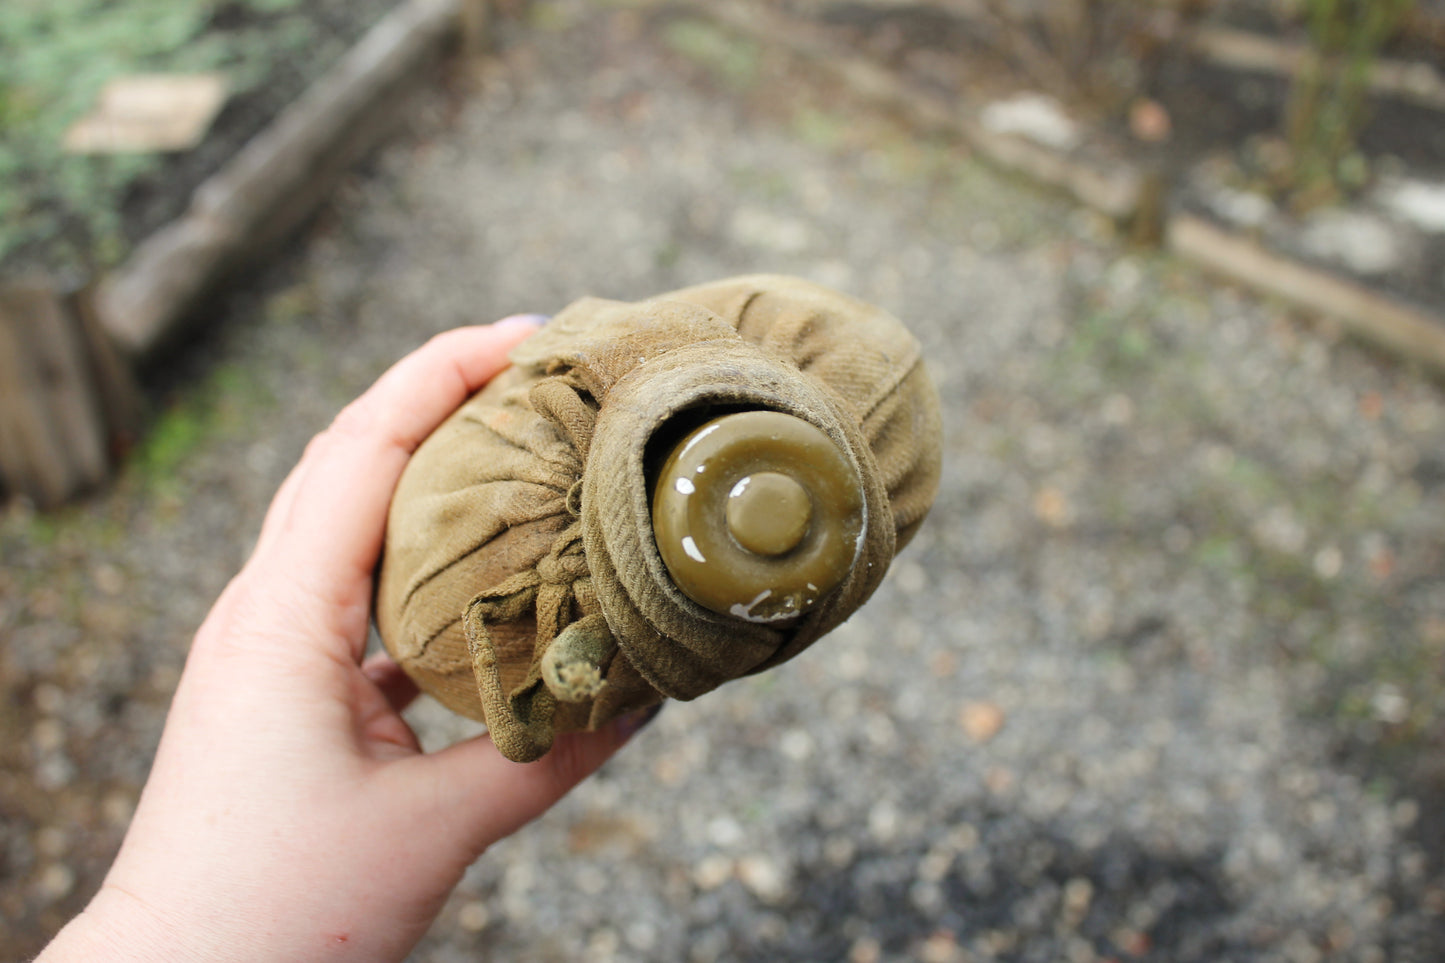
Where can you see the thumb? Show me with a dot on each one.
(480, 796)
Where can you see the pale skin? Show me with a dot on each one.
(290, 813)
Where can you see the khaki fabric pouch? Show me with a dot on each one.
(521, 584)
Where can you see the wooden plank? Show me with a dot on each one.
(1418, 82)
(1119, 190)
(122, 403)
(275, 181)
(53, 431)
(1374, 317)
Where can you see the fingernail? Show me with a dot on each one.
(633, 723)
(530, 320)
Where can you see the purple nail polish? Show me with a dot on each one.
(535, 320)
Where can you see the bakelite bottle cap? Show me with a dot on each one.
(758, 515)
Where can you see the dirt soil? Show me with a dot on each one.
(1160, 679)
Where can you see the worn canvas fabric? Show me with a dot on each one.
(519, 544)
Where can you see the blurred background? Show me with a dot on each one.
(1163, 675)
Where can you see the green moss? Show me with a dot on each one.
(731, 59)
(224, 403)
(820, 129)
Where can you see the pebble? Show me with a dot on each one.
(1362, 242)
(117, 808)
(1418, 202)
(49, 698)
(48, 735)
(712, 872)
(941, 947)
(55, 882)
(763, 877)
(1051, 506)
(981, 721)
(473, 916)
(865, 950)
(52, 841)
(1040, 118)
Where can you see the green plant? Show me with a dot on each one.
(1328, 101)
(1096, 50)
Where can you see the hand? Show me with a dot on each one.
(290, 813)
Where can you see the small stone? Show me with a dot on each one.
(934, 865)
(1389, 705)
(603, 943)
(117, 808)
(883, 822)
(1420, 202)
(641, 936)
(999, 780)
(474, 916)
(981, 721)
(1039, 118)
(1245, 208)
(941, 947)
(1130, 941)
(1405, 814)
(1361, 242)
(1052, 508)
(926, 897)
(1078, 895)
(55, 882)
(1328, 562)
(1149, 121)
(52, 841)
(763, 877)
(796, 745)
(109, 579)
(49, 699)
(54, 772)
(712, 872)
(839, 851)
(865, 950)
(724, 832)
(1434, 901)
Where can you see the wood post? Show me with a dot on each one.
(66, 399)
(1374, 317)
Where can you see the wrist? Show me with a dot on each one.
(119, 928)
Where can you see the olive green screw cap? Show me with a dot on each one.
(757, 515)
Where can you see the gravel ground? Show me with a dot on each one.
(1159, 679)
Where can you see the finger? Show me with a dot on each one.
(482, 359)
(327, 533)
(391, 680)
(476, 796)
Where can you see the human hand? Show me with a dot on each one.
(290, 813)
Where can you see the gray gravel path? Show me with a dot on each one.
(1157, 681)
